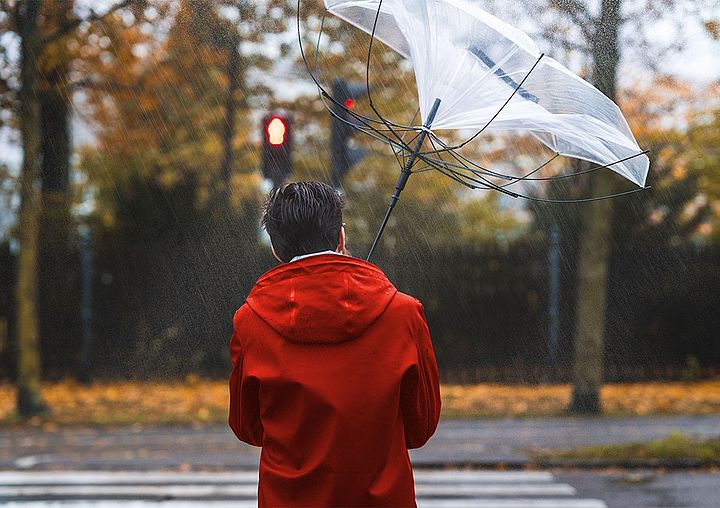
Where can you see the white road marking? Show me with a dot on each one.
(422, 503)
(238, 489)
(483, 476)
(231, 491)
(505, 489)
(511, 503)
(131, 491)
(124, 478)
(159, 477)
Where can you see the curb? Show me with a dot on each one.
(678, 464)
(530, 464)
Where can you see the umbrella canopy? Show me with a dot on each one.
(478, 65)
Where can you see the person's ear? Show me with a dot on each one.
(341, 243)
(275, 253)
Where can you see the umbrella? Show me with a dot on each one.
(474, 71)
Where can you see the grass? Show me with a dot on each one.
(198, 401)
(675, 446)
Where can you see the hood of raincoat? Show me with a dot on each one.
(323, 299)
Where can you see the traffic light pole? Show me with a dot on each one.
(405, 174)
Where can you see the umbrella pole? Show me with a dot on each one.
(404, 175)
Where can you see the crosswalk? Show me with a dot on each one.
(109, 489)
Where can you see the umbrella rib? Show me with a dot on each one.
(585, 200)
(488, 171)
(527, 176)
(589, 170)
(483, 181)
(533, 198)
(455, 175)
(460, 158)
(537, 62)
(464, 179)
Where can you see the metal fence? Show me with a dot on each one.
(163, 310)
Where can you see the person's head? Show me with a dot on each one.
(302, 218)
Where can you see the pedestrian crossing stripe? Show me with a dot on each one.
(422, 503)
(227, 477)
(434, 489)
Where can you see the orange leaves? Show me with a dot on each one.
(200, 401)
(549, 400)
(669, 398)
(501, 400)
(128, 402)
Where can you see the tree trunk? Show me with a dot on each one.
(29, 398)
(58, 300)
(595, 237)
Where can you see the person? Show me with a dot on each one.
(334, 375)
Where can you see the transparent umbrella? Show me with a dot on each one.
(476, 72)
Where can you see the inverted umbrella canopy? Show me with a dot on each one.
(489, 75)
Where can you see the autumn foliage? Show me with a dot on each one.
(206, 402)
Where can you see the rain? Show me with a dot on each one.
(568, 262)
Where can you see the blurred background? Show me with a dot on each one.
(138, 139)
(130, 233)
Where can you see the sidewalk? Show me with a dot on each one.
(478, 443)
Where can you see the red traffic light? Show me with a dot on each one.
(277, 141)
(276, 131)
(349, 103)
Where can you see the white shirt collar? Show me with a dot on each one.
(314, 254)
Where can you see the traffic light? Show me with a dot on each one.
(342, 156)
(277, 148)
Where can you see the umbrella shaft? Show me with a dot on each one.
(405, 175)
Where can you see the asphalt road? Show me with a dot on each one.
(647, 489)
(456, 443)
(434, 489)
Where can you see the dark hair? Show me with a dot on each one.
(302, 218)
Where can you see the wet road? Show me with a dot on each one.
(456, 442)
(647, 489)
(434, 489)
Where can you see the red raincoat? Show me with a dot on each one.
(335, 377)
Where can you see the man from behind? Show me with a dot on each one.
(334, 372)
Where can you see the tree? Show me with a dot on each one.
(174, 168)
(67, 32)
(597, 38)
(165, 107)
(58, 270)
(595, 236)
(29, 398)
(40, 105)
